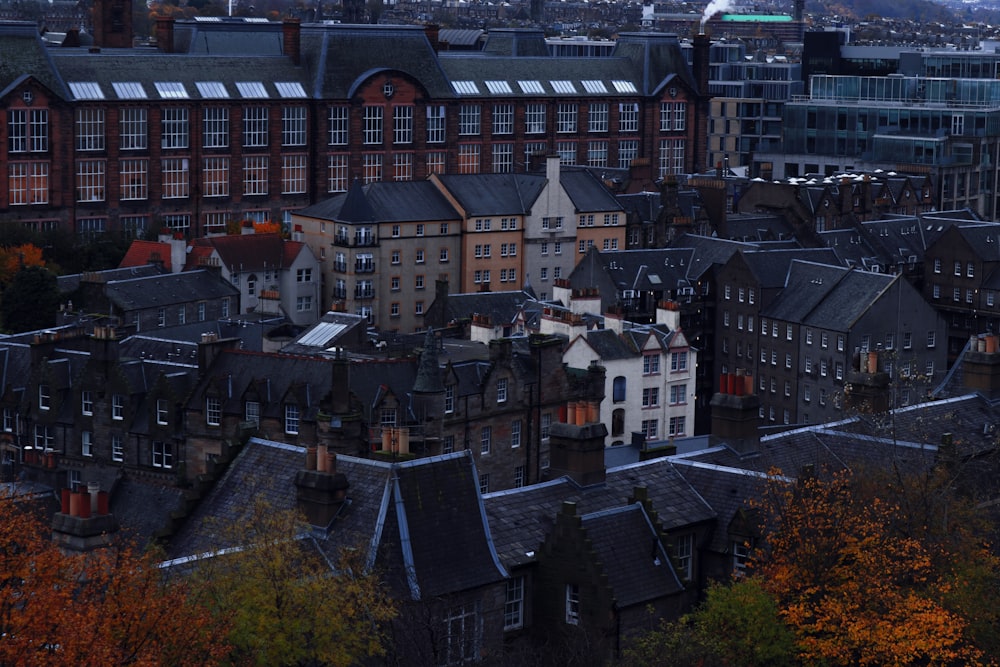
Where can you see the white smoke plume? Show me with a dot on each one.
(713, 8)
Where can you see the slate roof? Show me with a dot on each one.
(609, 346)
(657, 60)
(339, 58)
(70, 283)
(587, 192)
(752, 227)
(621, 538)
(724, 489)
(501, 307)
(167, 289)
(465, 37)
(421, 515)
(402, 201)
(494, 194)
(22, 52)
(521, 518)
(771, 267)
(631, 269)
(708, 251)
(807, 286)
(149, 67)
(852, 297)
(522, 43)
(540, 68)
(224, 36)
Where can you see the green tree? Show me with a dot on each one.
(287, 602)
(737, 624)
(30, 301)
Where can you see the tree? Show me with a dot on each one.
(737, 624)
(14, 258)
(30, 301)
(106, 607)
(856, 587)
(289, 604)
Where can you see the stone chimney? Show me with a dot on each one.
(614, 319)
(981, 365)
(291, 39)
(735, 413)
(552, 171)
(669, 313)
(866, 389)
(585, 300)
(433, 33)
(84, 521)
(562, 291)
(165, 34)
(320, 489)
(576, 447)
(702, 47)
(561, 322)
(210, 346)
(113, 24)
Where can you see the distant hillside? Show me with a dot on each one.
(922, 11)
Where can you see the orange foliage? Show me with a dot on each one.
(855, 590)
(266, 228)
(108, 607)
(14, 257)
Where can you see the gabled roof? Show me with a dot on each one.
(22, 52)
(636, 564)
(141, 253)
(587, 192)
(494, 194)
(386, 201)
(501, 307)
(249, 252)
(806, 285)
(771, 267)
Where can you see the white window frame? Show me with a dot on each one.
(255, 121)
(174, 132)
(213, 410)
(294, 126)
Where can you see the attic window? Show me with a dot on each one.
(252, 90)
(563, 87)
(129, 90)
(171, 90)
(212, 90)
(499, 87)
(465, 87)
(290, 89)
(86, 90)
(531, 87)
(592, 86)
(624, 86)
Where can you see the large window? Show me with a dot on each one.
(215, 127)
(597, 153)
(468, 119)
(28, 130)
(29, 183)
(90, 129)
(254, 127)
(628, 117)
(132, 131)
(462, 636)
(337, 177)
(134, 174)
(90, 180)
(293, 126)
(373, 125)
(402, 167)
(340, 119)
(174, 128)
(435, 124)
(628, 150)
(175, 179)
(534, 119)
(503, 119)
(503, 158)
(566, 115)
(293, 174)
(402, 125)
(673, 116)
(468, 159)
(216, 177)
(255, 174)
(371, 164)
(597, 120)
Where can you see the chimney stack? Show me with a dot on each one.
(165, 34)
(291, 30)
(320, 492)
(577, 449)
(735, 413)
(84, 522)
(866, 389)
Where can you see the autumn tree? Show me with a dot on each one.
(290, 602)
(111, 606)
(14, 258)
(857, 587)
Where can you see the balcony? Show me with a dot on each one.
(364, 293)
(342, 240)
(364, 266)
(340, 293)
(340, 267)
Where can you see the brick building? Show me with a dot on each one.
(244, 120)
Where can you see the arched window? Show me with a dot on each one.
(618, 390)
